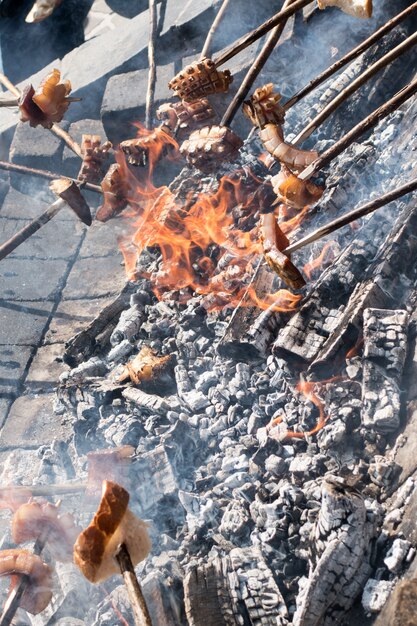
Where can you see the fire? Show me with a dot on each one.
(203, 250)
(311, 391)
(355, 350)
(316, 263)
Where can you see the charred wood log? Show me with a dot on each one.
(340, 563)
(219, 592)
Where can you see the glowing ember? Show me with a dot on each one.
(310, 390)
(203, 250)
(325, 256)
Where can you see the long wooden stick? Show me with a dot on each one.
(373, 69)
(14, 599)
(150, 95)
(350, 56)
(259, 32)
(350, 217)
(57, 130)
(32, 171)
(9, 103)
(216, 23)
(369, 122)
(134, 591)
(255, 69)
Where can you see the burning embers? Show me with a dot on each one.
(208, 243)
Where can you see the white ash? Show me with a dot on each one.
(375, 594)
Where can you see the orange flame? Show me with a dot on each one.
(354, 351)
(203, 251)
(309, 267)
(308, 389)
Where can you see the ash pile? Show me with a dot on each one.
(269, 441)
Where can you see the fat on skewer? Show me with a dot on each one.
(114, 542)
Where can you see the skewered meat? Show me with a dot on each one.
(294, 192)
(69, 191)
(273, 241)
(145, 366)
(113, 463)
(115, 189)
(184, 115)
(17, 563)
(48, 104)
(113, 525)
(42, 518)
(94, 156)
(356, 8)
(148, 149)
(264, 107)
(200, 79)
(272, 138)
(41, 10)
(13, 497)
(209, 146)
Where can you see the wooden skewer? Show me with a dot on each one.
(150, 95)
(255, 69)
(44, 490)
(134, 590)
(259, 32)
(369, 122)
(57, 130)
(350, 217)
(9, 103)
(14, 599)
(350, 56)
(32, 171)
(217, 20)
(373, 69)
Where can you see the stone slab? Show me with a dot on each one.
(55, 240)
(71, 317)
(101, 239)
(32, 422)
(13, 362)
(101, 57)
(124, 100)
(45, 369)
(95, 277)
(18, 205)
(5, 403)
(22, 323)
(34, 279)
(38, 148)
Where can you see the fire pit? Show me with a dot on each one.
(208, 406)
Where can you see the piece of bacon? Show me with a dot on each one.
(17, 563)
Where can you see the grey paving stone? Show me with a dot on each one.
(34, 279)
(45, 368)
(124, 100)
(21, 206)
(95, 277)
(71, 317)
(5, 403)
(19, 467)
(22, 323)
(70, 161)
(55, 240)
(13, 362)
(101, 239)
(38, 148)
(101, 57)
(32, 422)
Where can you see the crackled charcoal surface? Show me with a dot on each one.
(274, 457)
